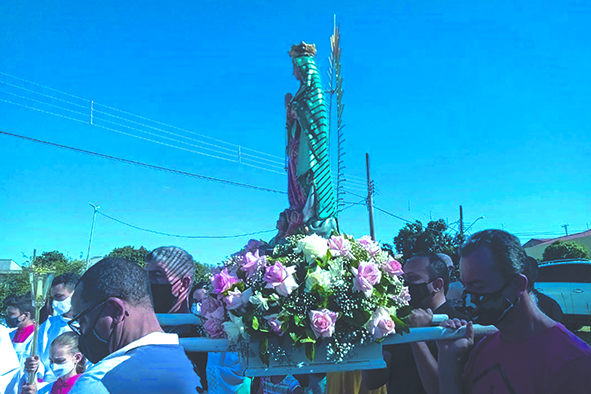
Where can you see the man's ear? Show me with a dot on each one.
(117, 309)
(186, 282)
(438, 284)
(520, 283)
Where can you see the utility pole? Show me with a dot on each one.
(461, 220)
(372, 232)
(96, 208)
(565, 226)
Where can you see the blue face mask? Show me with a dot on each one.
(196, 308)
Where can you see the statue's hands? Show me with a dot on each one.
(288, 98)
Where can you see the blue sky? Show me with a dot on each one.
(483, 104)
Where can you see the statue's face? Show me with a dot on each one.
(296, 73)
(281, 224)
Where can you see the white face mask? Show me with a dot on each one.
(60, 370)
(61, 307)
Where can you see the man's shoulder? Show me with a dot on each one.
(564, 341)
(89, 383)
(448, 309)
(164, 366)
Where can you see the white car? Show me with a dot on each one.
(569, 283)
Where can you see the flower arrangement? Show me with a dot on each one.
(309, 291)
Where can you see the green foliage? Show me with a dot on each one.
(564, 250)
(131, 253)
(415, 238)
(18, 284)
(202, 273)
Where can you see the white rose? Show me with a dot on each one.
(313, 246)
(235, 329)
(318, 277)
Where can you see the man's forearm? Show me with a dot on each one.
(450, 375)
(427, 367)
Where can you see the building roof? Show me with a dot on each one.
(9, 266)
(542, 241)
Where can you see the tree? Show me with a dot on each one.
(59, 263)
(202, 273)
(415, 238)
(18, 284)
(564, 250)
(131, 253)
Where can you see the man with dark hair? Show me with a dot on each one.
(20, 314)
(61, 292)
(119, 332)
(427, 278)
(530, 352)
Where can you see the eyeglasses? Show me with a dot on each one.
(74, 324)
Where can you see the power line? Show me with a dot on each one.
(141, 164)
(391, 214)
(237, 154)
(182, 236)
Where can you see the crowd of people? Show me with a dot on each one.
(102, 335)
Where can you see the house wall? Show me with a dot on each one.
(538, 250)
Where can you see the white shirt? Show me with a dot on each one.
(52, 328)
(23, 350)
(9, 365)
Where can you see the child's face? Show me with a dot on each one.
(61, 355)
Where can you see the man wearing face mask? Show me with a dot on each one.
(61, 292)
(170, 270)
(119, 333)
(530, 353)
(20, 314)
(427, 277)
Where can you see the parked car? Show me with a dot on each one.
(569, 283)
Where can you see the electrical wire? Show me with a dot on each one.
(141, 164)
(391, 214)
(183, 236)
(276, 162)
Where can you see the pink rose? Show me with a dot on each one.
(275, 325)
(322, 322)
(339, 246)
(223, 281)
(251, 263)
(365, 277)
(281, 279)
(392, 267)
(372, 247)
(381, 323)
(214, 328)
(237, 299)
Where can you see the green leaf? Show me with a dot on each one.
(264, 351)
(310, 351)
(307, 340)
(294, 337)
(299, 321)
(255, 323)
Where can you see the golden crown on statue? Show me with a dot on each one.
(302, 49)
